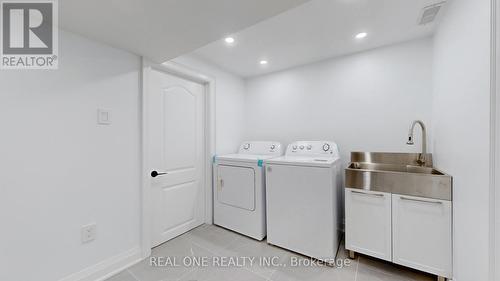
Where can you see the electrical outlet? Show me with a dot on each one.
(88, 232)
(104, 116)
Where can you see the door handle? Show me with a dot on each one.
(368, 194)
(420, 200)
(154, 174)
(220, 184)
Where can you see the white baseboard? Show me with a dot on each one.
(108, 267)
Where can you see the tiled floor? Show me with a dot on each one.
(213, 243)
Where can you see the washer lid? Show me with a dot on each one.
(307, 161)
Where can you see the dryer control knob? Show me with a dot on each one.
(326, 147)
(273, 146)
(246, 146)
(301, 147)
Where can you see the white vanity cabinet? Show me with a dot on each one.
(411, 231)
(421, 234)
(368, 223)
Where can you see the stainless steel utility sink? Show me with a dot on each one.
(397, 173)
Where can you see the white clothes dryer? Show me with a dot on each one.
(239, 188)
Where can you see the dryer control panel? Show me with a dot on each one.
(313, 148)
(261, 148)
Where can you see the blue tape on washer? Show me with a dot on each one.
(213, 158)
(260, 162)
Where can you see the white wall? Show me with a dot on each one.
(60, 170)
(364, 102)
(230, 101)
(461, 128)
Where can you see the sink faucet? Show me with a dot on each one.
(421, 158)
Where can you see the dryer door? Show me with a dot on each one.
(236, 186)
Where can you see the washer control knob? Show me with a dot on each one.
(273, 146)
(246, 146)
(326, 147)
(294, 147)
(309, 147)
(301, 147)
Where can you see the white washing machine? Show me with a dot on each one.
(303, 200)
(239, 189)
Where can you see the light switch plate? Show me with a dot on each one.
(104, 116)
(88, 232)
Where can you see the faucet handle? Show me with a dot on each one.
(421, 159)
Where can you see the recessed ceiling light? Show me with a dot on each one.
(361, 35)
(263, 62)
(229, 40)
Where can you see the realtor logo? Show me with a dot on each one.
(29, 35)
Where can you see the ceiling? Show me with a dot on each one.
(164, 29)
(317, 30)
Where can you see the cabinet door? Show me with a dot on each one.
(422, 234)
(368, 223)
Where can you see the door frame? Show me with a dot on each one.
(208, 82)
(494, 143)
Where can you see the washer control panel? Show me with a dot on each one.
(261, 148)
(324, 148)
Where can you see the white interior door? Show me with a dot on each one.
(176, 144)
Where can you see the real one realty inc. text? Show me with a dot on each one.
(225, 261)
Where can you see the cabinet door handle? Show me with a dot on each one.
(220, 184)
(420, 200)
(368, 194)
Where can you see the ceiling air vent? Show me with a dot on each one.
(429, 13)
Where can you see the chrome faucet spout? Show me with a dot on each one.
(421, 160)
